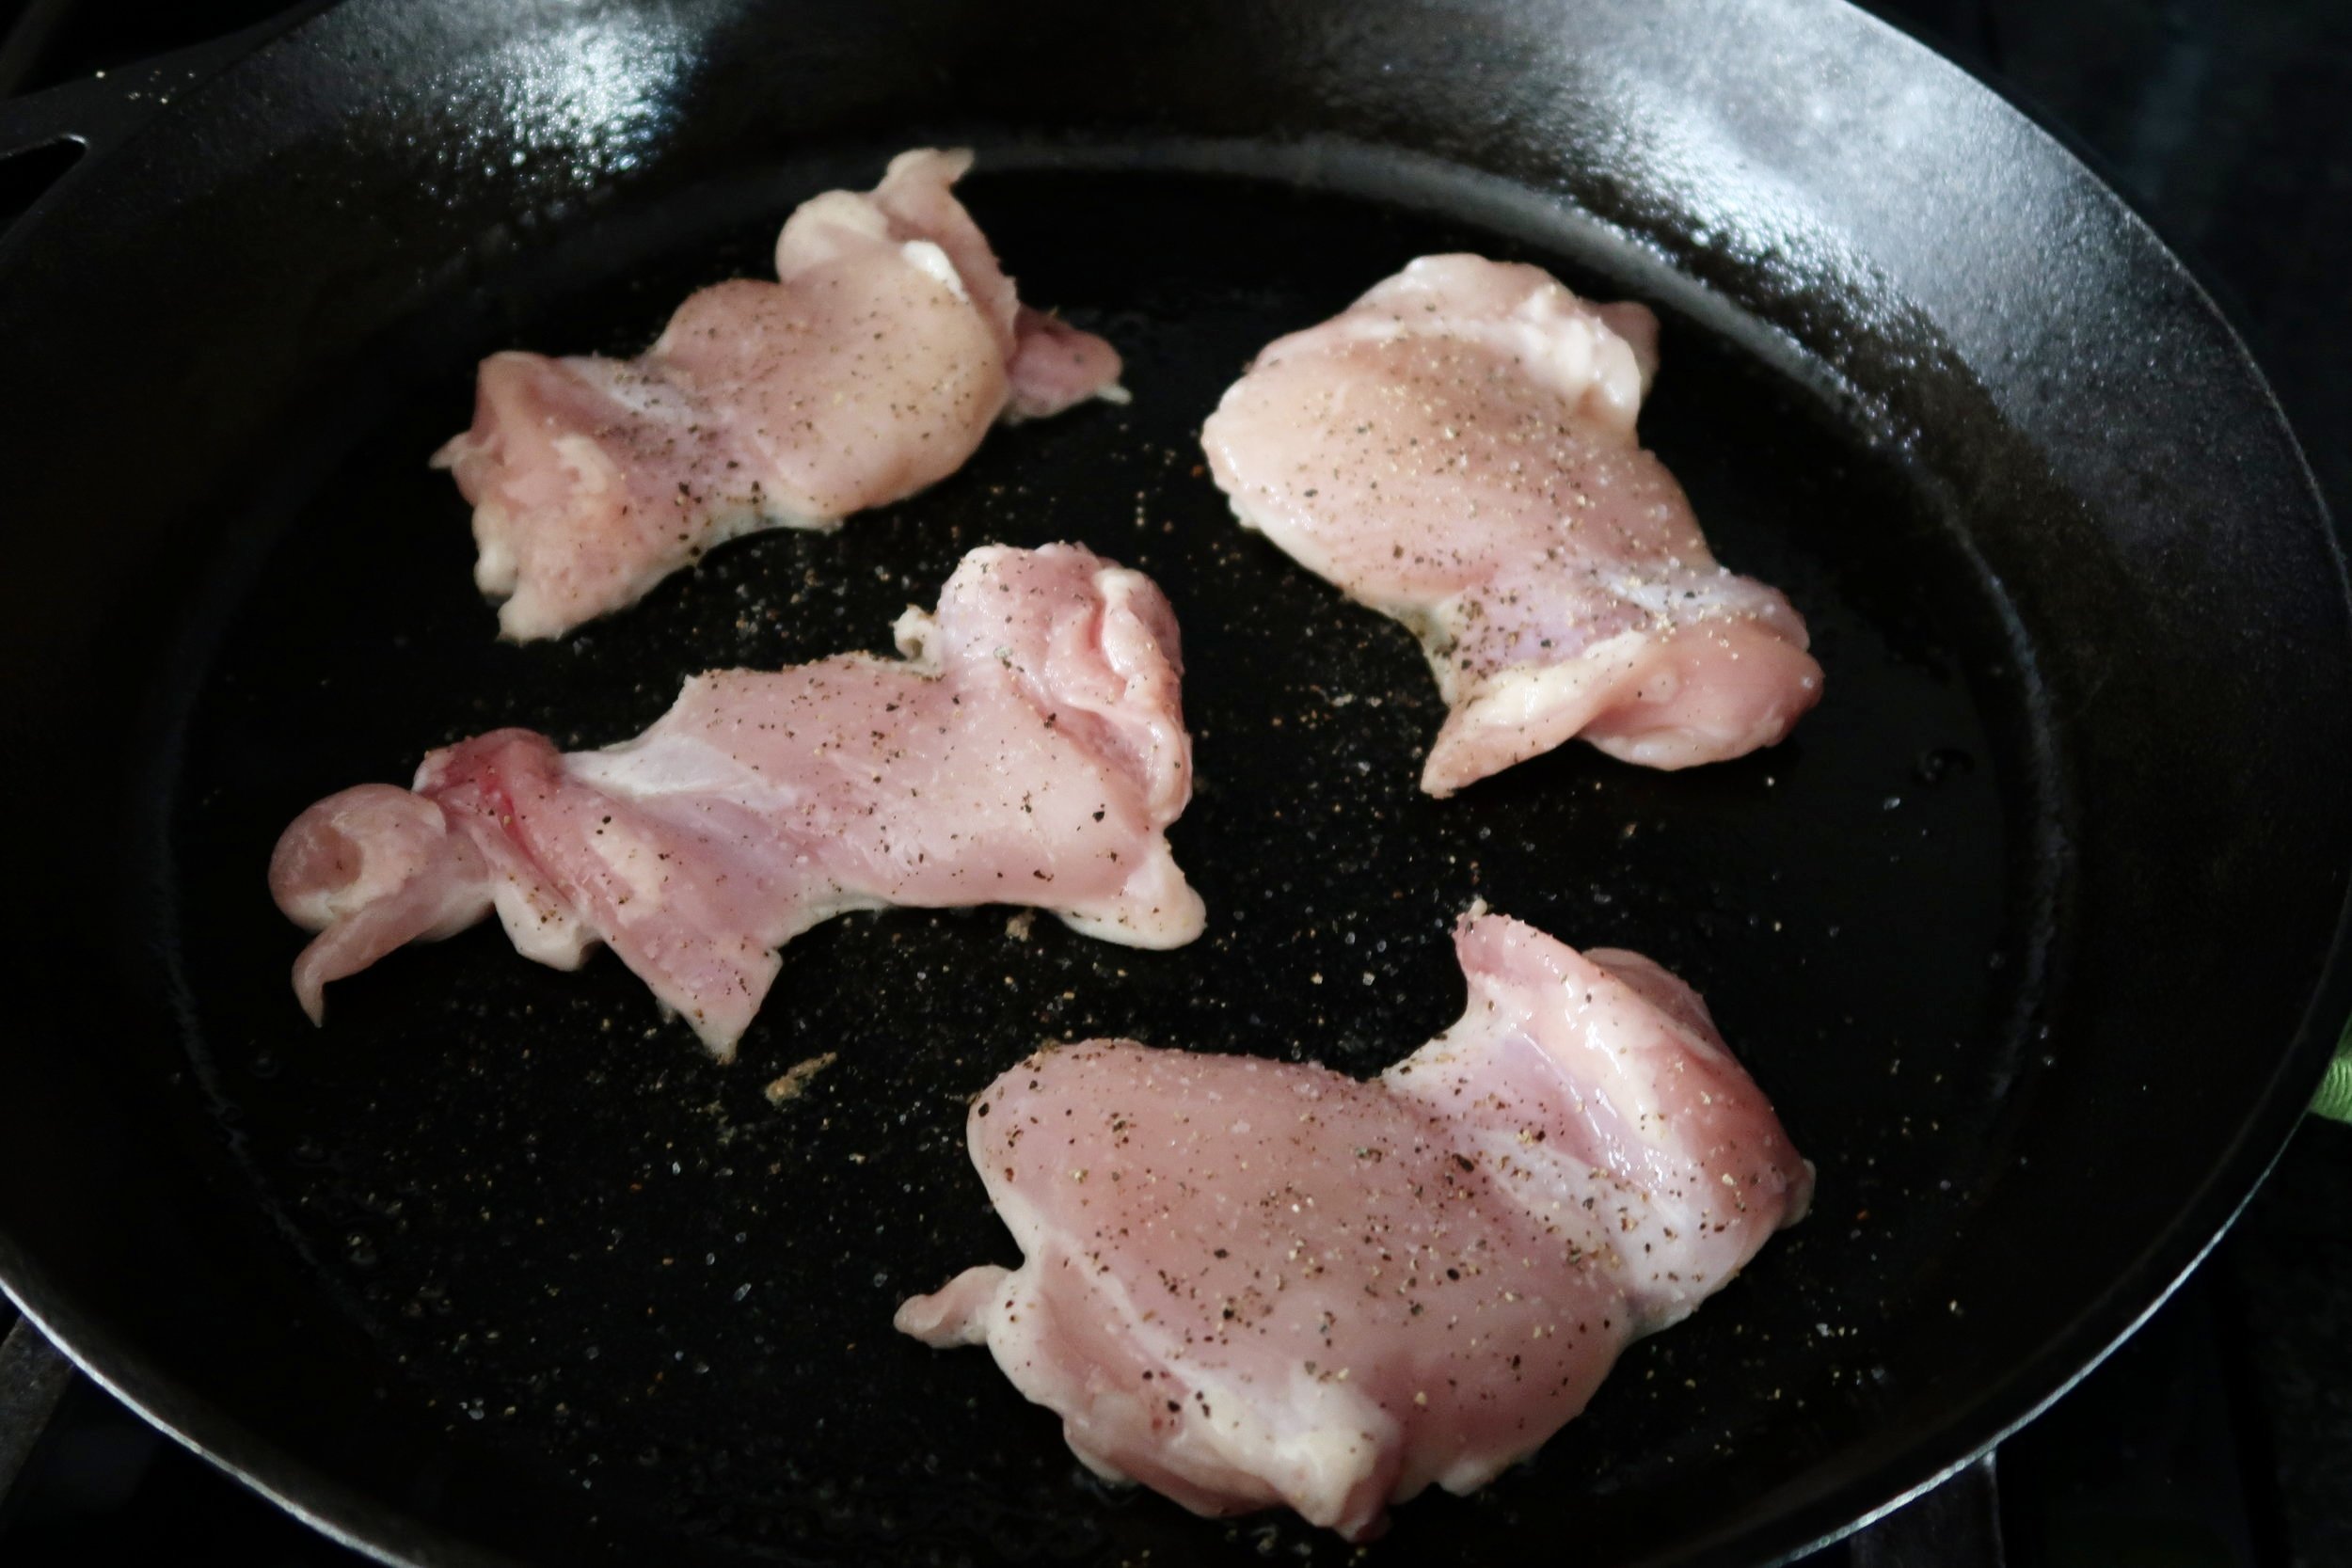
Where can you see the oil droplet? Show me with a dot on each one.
(1942, 763)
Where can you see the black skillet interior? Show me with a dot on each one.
(572, 1226)
(504, 1251)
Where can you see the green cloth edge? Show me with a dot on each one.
(2335, 1099)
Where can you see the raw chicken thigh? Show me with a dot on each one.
(1030, 748)
(1249, 1282)
(1457, 449)
(889, 346)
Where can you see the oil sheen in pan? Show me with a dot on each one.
(583, 1241)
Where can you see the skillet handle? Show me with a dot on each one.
(94, 112)
(34, 1376)
(1956, 1524)
(92, 117)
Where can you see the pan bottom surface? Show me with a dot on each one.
(581, 1245)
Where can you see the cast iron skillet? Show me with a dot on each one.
(2031, 930)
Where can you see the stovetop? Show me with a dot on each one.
(2220, 1436)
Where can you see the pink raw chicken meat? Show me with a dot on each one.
(1457, 449)
(1249, 1282)
(890, 344)
(1030, 748)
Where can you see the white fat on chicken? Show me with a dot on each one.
(1457, 449)
(873, 367)
(1249, 1283)
(1030, 749)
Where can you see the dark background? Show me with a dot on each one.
(2222, 1434)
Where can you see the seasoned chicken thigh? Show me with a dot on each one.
(889, 345)
(1247, 1283)
(1030, 748)
(1457, 449)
